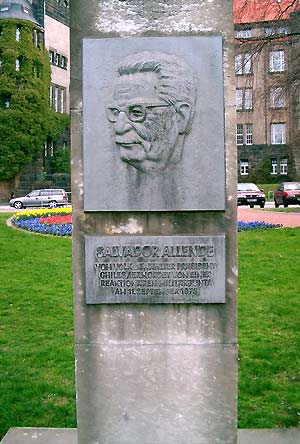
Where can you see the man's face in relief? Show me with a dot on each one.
(145, 127)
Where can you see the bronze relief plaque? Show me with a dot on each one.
(153, 124)
(155, 269)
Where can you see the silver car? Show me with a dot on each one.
(41, 198)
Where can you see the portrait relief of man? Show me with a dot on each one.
(152, 109)
(153, 123)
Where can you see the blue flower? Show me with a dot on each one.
(33, 224)
(250, 226)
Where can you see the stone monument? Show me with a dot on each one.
(154, 199)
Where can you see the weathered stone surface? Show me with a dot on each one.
(181, 169)
(23, 435)
(165, 394)
(183, 340)
(154, 324)
(40, 435)
(155, 269)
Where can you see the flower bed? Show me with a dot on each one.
(55, 221)
(58, 221)
(248, 226)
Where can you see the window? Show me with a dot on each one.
(248, 96)
(57, 98)
(61, 106)
(36, 69)
(248, 128)
(34, 37)
(52, 56)
(279, 30)
(239, 96)
(283, 167)
(274, 166)
(283, 30)
(51, 95)
(40, 38)
(244, 33)
(239, 134)
(243, 64)
(277, 98)
(244, 167)
(249, 133)
(17, 65)
(57, 59)
(63, 62)
(34, 193)
(278, 134)
(18, 34)
(270, 31)
(244, 99)
(49, 149)
(277, 61)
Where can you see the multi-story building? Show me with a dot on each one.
(51, 30)
(57, 41)
(267, 68)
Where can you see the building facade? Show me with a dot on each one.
(267, 68)
(57, 41)
(50, 21)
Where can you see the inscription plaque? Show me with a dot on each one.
(153, 124)
(155, 269)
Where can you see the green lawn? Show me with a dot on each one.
(284, 210)
(269, 325)
(36, 339)
(36, 330)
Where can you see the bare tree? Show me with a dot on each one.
(272, 11)
(275, 25)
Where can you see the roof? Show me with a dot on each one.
(17, 9)
(253, 11)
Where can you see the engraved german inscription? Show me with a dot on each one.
(155, 269)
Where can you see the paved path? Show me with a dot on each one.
(246, 214)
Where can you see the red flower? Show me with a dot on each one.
(56, 220)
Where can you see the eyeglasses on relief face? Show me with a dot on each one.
(134, 112)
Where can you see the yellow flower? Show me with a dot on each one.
(39, 212)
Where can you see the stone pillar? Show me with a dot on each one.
(155, 361)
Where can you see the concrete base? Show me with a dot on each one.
(27, 435)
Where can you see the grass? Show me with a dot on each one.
(269, 324)
(36, 330)
(36, 336)
(283, 210)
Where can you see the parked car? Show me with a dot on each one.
(41, 198)
(250, 194)
(288, 193)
